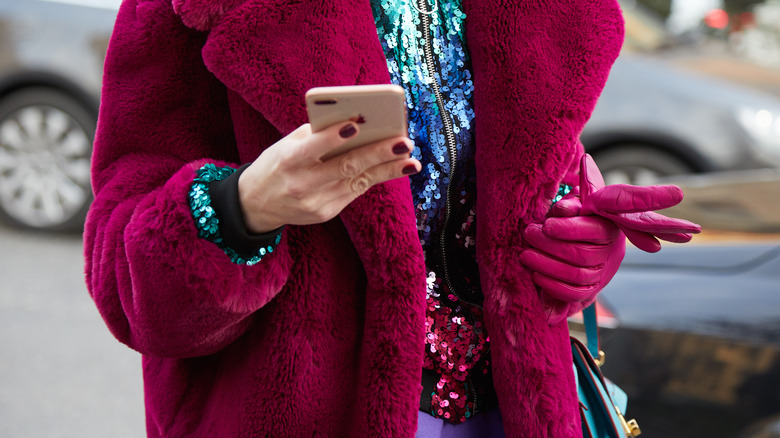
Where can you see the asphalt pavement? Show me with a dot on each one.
(62, 374)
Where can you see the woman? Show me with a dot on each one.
(293, 297)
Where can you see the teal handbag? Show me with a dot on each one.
(602, 403)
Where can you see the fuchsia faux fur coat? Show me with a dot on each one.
(325, 336)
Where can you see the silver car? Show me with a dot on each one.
(51, 63)
(657, 117)
(654, 119)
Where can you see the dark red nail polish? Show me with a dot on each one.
(401, 148)
(410, 169)
(348, 131)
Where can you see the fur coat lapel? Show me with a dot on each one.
(539, 66)
(270, 61)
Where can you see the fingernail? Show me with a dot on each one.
(348, 131)
(401, 148)
(410, 169)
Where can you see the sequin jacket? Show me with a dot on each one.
(322, 338)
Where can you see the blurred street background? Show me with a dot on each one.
(62, 374)
(692, 334)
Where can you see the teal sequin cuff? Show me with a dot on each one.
(206, 219)
(563, 190)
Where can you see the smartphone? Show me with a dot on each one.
(379, 111)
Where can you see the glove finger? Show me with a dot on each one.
(624, 198)
(590, 176)
(567, 207)
(652, 222)
(560, 290)
(591, 229)
(576, 307)
(576, 253)
(644, 241)
(556, 310)
(554, 268)
(675, 237)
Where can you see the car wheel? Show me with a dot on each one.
(45, 148)
(638, 165)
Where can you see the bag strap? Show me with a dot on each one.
(589, 313)
(591, 329)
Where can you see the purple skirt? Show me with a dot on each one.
(483, 425)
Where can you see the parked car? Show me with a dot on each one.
(656, 118)
(697, 346)
(51, 62)
(692, 333)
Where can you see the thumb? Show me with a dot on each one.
(590, 176)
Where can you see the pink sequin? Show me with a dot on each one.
(455, 342)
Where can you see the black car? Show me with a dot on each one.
(697, 345)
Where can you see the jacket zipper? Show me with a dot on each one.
(449, 137)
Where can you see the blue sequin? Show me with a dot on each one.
(455, 335)
(401, 33)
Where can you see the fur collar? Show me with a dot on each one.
(202, 14)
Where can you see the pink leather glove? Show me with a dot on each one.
(630, 208)
(572, 257)
(580, 246)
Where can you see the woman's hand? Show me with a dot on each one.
(572, 257)
(289, 183)
(579, 248)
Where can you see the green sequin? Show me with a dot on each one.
(206, 219)
(563, 190)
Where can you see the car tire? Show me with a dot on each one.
(638, 164)
(45, 149)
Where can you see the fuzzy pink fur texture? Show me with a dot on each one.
(324, 337)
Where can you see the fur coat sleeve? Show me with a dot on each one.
(334, 316)
(163, 115)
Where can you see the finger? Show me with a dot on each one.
(575, 253)
(556, 310)
(567, 207)
(359, 160)
(590, 176)
(359, 184)
(644, 241)
(623, 198)
(317, 144)
(675, 237)
(551, 267)
(652, 222)
(591, 229)
(563, 291)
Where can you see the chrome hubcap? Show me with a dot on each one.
(44, 166)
